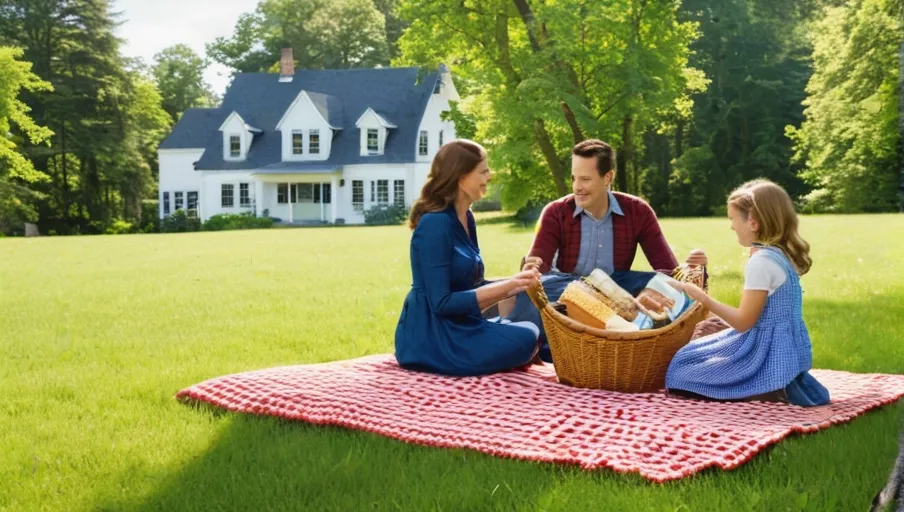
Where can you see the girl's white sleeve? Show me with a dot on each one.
(762, 273)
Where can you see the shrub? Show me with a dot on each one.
(230, 221)
(385, 215)
(179, 222)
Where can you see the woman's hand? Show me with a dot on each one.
(697, 257)
(693, 291)
(532, 263)
(523, 280)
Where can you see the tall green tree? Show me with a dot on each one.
(179, 74)
(850, 140)
(72, 46)
(17, 173)
(324, 34)
(541, 76)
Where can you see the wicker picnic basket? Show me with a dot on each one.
(630, 362)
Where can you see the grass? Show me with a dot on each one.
(99, 333)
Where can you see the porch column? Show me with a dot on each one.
(334, 202)
(258, 197)
(289, 191)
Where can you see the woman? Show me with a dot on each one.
(441, 328)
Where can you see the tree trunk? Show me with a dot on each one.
(901, 115)
(64, 165)
(625, 155)
(679, 139)
(576, 132)
(552, 159)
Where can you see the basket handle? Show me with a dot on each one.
(538, 296)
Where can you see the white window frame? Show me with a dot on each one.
(244, 195)
(398, 196)
(382, 192)
(423, 143)
(178, 201)
(358, 205)
(314, 145)
(300, 147)
(235, 138)
(231, 188)
(166, 204)
(376, 133)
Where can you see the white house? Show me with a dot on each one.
(308, 146)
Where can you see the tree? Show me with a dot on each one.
(540, 77)
(17, 173)
(323, 34)
(850, 141)
(178, 72)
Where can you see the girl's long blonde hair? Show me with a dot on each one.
(773, 210)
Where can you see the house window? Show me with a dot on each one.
(303, 192)
(235, 146)
(398, 193)
(422, 144)
(227, 195)
(383, 191)
(440, 138)
(282, 190)
(358, 195)
(165, 204)
(297, 142)
(323, 193)
(314, 142)
(373, 140)
(438, 87)
(177, 196)
(244, 195)
(192, 200)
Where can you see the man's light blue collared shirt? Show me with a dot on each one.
(597, 246)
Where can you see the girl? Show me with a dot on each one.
(441, 328)
(766, 354)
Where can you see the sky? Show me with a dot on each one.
(149, 26)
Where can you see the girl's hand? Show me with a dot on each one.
(693, 291)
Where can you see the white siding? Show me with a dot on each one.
(177, 174)
(303, 116)
(432, 123)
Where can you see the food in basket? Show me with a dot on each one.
(613, 295)
(584, 305)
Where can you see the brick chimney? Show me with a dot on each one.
(286, 65)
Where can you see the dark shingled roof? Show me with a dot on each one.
(400, 95)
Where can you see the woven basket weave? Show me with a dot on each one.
(630, 362)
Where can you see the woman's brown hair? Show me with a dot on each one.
(454, 160)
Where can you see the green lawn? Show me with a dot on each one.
(99, 333)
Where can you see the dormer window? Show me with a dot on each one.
(235, 146)
(314, 142)
(438, 88)
(440, 138)
(297, 142)
(373, 140)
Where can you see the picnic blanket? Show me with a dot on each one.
(528, 415)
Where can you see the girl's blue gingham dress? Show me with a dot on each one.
(774, 354)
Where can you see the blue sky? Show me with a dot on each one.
(149, 26)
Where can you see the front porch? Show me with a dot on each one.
(297, 199)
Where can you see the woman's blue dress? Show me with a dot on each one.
(441, 328)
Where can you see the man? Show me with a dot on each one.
(595, 228)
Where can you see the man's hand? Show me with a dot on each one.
(697, 257)
(532, 263)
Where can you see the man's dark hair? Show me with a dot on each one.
(605, 155)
